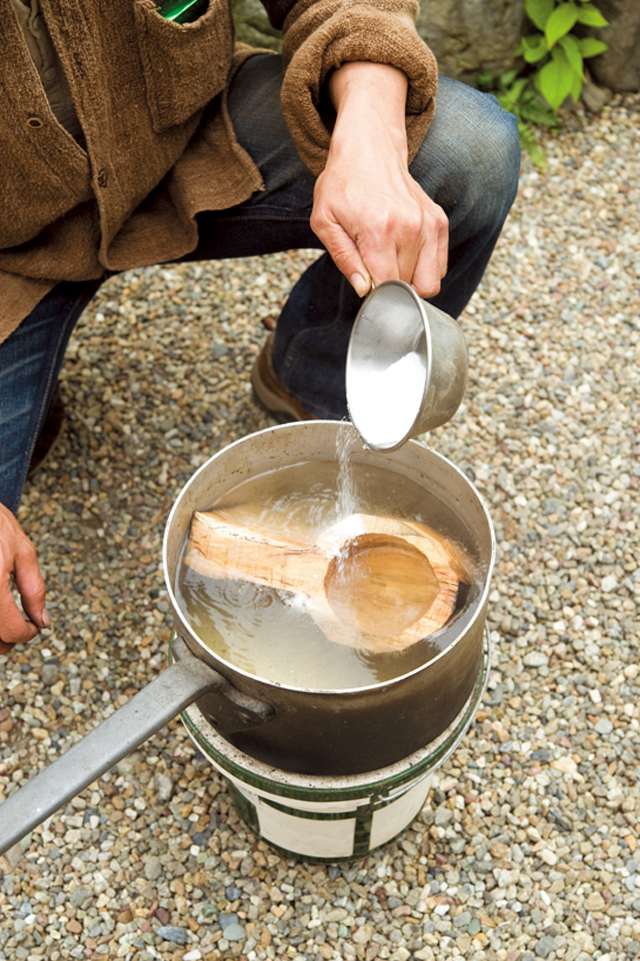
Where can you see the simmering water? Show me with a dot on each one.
(268, 633)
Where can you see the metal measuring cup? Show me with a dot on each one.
(407, 367)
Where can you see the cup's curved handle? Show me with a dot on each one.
(150, 709)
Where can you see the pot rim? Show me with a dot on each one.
(479, 603)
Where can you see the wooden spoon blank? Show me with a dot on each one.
(375, 583)
(221, 548)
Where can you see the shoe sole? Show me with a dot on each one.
(270, 392)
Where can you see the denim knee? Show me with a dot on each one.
(469, 162)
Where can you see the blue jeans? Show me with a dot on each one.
(469, 164)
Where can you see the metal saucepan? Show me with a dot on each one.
(306, 731)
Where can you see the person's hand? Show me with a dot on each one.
(18, 560)
(372, 216)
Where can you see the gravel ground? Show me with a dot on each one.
(528, 846)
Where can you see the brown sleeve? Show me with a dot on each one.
(320, 35)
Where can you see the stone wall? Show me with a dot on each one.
(619, 67)
(470, 36)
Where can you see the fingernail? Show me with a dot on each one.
(44, 617)
(359, 284)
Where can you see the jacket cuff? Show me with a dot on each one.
(361, 33)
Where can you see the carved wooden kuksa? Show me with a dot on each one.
(376, 583)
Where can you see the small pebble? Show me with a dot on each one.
(50, 673)
(545, 946)
(604, 726)
(535, 659)
(234, 932)
(169, 932)
(153, 869)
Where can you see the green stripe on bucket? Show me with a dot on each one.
(244, 807)
(362, 834)
(310, 815)
(362, 816)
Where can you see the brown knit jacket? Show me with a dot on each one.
(150, 95)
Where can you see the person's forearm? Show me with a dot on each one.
(373, 218)
(369, 96)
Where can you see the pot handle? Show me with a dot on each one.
(150, 709)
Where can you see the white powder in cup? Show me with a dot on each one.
(387, 402)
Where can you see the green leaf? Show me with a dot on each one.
(591, 16)
(576, 87)
(561, 21)
(517, 87)
(556, 79)
(571, 47)
(539, 11)
(534, 48)
(538, 156)
(590, 47)
(538, 113)
(507, 78)
(509, 98)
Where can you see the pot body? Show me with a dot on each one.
(354, 730)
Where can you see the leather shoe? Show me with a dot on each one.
(271, 393)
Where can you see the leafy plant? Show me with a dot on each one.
(553, 67)
(557, 54)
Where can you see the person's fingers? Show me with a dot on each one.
(432, 261)
(15, 629)
(19, 563)
(407, 260)
(389, 249)
(344, 252)
(30, 584)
